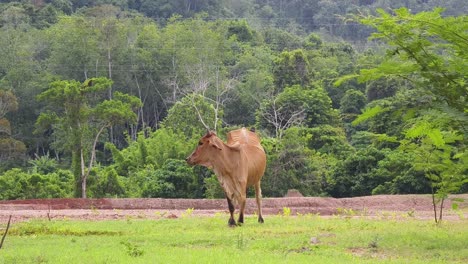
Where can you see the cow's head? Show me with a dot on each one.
(207, 149)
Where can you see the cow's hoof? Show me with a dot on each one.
(260, 220)
(232, 223)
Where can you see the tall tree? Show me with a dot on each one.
(22, 71)
(254, 73)
(426, 49)
(73, 42)
(429, 51)
(78, 118)
(291, 68)
(10, 148)
(197, 54)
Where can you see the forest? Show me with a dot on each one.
(106, 98)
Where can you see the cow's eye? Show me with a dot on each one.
(200, 143)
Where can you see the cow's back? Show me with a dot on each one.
(252, 150)
(243, 136)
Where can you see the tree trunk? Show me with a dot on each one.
(83, 186)
(141, 116)
(83, 176)
(109, 65)
(441, 210)
(84, 173)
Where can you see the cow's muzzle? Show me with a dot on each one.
(189, 160)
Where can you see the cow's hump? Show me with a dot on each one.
(243, 136)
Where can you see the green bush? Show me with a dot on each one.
(290, 165)
(18, 184)
(107, 184)
(173, 180)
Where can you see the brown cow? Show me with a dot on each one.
(238, 164)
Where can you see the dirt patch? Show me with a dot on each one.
(293, 193)
(418, 206)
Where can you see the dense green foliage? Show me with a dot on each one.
(117, 93)
(281, 239)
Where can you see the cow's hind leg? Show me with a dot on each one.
(231, 221)
(258, 197)
(243, 200)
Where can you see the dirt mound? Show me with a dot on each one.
(98, 209)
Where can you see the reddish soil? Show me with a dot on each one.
(380, 206)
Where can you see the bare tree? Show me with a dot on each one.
(214, 88)
(281, 119)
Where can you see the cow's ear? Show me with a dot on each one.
(215, 144)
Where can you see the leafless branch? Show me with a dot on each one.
(201, 82)
(6, 231)
(48, 213)
(282, 121)
(200, 117)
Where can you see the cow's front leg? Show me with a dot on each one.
(231, 221)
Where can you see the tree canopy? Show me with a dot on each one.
(107, 98)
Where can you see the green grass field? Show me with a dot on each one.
(281, 239)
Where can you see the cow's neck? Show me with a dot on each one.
(226, 168)
(226, 162)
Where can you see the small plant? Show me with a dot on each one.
(132, 249)
(460, 214)
(128, 218)
(220, 214)
(241, 243)
(365, 212)
(160, 214)
(40, 259)
(141, 215)
(312, 215)
(374, 244)
(43, 164)
(286, 211)
(188, 212)
(348, 213)
(94, 210)
(410, 213)
(456, 209)
(386, 215)
(339, 210)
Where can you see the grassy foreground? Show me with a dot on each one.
(281, 239)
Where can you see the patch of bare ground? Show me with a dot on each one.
(379, 206)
